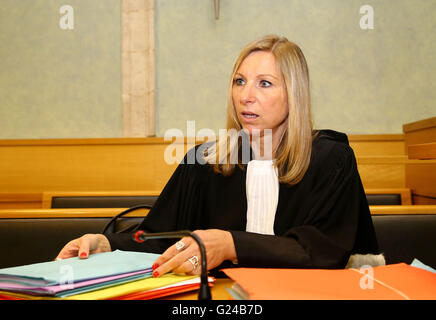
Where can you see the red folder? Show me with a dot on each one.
(390, 282)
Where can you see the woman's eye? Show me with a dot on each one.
(265, 84)
(239, 81)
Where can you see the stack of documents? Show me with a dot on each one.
(109, 275)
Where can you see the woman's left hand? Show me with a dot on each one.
(219, 247)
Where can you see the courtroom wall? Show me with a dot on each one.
(57, 82)
(362, 80)
(66, 83)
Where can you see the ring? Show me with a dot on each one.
(180, 245)
(194, 261)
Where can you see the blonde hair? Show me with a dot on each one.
(294, 150)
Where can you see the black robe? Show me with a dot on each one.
(319, 222)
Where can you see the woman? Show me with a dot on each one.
(298, 202)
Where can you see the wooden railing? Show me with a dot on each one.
(420, 171)
(32, 169)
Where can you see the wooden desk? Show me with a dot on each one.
(407, 209)
(110, 212)
(68, 213)
(218, 291)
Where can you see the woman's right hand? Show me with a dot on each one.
(84, 246)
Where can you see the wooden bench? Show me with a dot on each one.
(108, 199)
(32, 167)
(37, 235)
(126, 199)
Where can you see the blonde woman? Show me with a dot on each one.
(292, 199)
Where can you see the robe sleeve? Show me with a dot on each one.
(175, 209)
(334, 213)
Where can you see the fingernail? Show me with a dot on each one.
(155, 266)
(155, 274)
(83, 255)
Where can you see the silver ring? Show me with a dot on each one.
(194, 260)
(180, 245)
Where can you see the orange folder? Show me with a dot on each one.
(390, 282)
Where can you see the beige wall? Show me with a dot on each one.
(67, 84)
(58, 83)
(363, 81)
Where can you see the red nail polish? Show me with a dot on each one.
(83, 255)
(155, 266)
(155, 274)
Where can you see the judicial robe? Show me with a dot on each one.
(319, 222)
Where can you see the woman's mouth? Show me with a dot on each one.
(249, 115)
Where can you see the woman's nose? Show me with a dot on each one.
(248, 94)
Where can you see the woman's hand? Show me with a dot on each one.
(84, 246)
(219, 247)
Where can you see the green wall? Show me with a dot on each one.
(58, 83)
(362, 81)
(67, 83)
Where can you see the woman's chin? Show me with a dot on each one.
(254, 131)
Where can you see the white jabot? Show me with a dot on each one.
(262, 185)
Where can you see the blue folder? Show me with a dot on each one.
(74, 269)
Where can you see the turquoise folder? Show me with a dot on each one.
(74, 269)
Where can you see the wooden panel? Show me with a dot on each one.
(111, 212)
(382, 172)
(421, 178)
(137, 164)
(69, 213)
(382, 176)
(83, 141)
(421, 136)
(418, 132)
(423, 200)
(20, 200)
(412, 209)
(420, 141)
(424, 151)
(377, 144)
(419, 125)
(83, 167)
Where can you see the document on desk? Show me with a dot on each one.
(142, 289)
(390, 282)
(98, 270)
(138, 288)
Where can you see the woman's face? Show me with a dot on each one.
(259, 95)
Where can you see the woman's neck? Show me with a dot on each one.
(265, 145)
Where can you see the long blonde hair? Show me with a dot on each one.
(294, 150)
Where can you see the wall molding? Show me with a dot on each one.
(138, 68)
